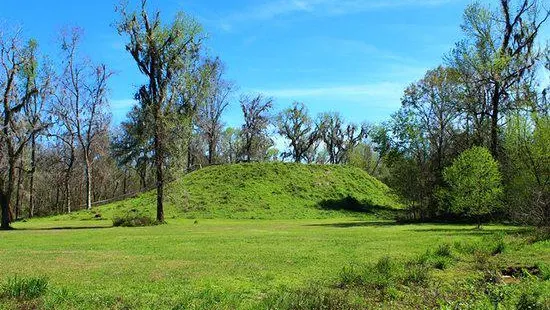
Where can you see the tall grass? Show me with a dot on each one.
(24, 288)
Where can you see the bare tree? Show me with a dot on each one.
(435, 100)
(82, 104)
(295, 125)
(209, 119)
(37, 117)
(339, 138)
(256, 140)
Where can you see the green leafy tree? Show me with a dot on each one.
(475, 183)
(527, 168)
(365, 157)
(166, 54)
(498, 54)
(132, 146)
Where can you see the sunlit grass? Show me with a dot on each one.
(225, 259)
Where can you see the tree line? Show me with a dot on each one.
(59, 151)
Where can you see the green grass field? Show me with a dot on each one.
(248, 241)
(218, 263)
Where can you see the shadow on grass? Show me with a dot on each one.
(64, 228)
(356, 224)
(470, 231)
(351, 204)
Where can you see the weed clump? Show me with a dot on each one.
(530, 299)
(133, 218)
(312, 297)
(444, 250)
(24, 288)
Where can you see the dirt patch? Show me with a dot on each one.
(519, 271)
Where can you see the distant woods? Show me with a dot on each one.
(60, 152)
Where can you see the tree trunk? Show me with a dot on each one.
(190, 156)
(88, 180)
(5, 211)
(56, 205)
(18, 190)
(143, 177)
(5, 197)
(125, 183)
(211, 150)
(31, 181)
(494, 120)
(68, 189)
(159, 161)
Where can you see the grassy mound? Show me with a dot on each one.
(266, 191)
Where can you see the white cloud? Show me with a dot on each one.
(122, 103)
(121, 107)
(274, 9)
(379, 95)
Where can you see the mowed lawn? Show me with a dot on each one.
(239, 258)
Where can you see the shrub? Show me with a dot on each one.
(496, 294)
(24, 288)
(474, 183)
(133, 219)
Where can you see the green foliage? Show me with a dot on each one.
(416, 274)
(309, 298)
(527, 145)
(500, 245)
(24, 288)
(544, 270)
(530, 299)
(444, 250)
(474, 183)
(133, 218)
(364, 156)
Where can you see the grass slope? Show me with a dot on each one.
(265, 191)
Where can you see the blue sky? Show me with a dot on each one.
(350, 56)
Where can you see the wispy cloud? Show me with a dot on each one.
(122, 103)
(360, 48)
(120, 108)
(375, 95)
(280, 8)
